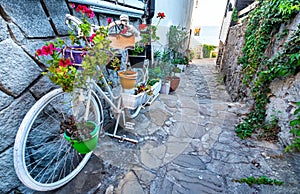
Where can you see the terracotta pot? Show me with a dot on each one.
(127, 79)
(174, 83)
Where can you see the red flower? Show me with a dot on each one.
(92, 37)
(142, 26)
(64, 62)
(73, 5)
(84, 9)
(109, 20)
(89, 13)
(161, 15)
(79, 8)
(38, 52)
(48, 50)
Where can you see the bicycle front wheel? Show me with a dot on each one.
(43, 159)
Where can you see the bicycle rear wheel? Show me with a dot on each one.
(43, 159)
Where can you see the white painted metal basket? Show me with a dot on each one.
(132, 101)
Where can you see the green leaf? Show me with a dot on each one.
(295, 122)
(297, 111)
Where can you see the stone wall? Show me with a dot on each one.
(229, 66)
(285, 92)
(24, 27)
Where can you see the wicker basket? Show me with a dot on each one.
(131, 101)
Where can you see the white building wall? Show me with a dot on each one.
(178, 13)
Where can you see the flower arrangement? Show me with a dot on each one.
(143, 88)
(84, 28)
(63, 69)
(146, 87)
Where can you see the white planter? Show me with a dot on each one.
(156, 88)
(181, 67)
(132, 101)
(165, 88)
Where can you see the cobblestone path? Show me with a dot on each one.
(187, 145)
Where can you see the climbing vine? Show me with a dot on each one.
(258, 69)
(295, 124)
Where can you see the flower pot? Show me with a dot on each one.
(181, 67)
(165, 88)
(127, 79)
(132, 101)
(156, 88)
(85, 146)
(174, 83)
(75, 54)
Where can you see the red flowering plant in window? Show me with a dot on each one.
(63, 70)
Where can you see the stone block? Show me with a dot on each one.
(3, 30)
(30, 17)
(42, 87)
(58, 10)
(17, 69)
(11, 118)
(8, 177)
(17, 34)
(5, 100)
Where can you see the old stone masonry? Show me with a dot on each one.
(187, 145)
(187, 139)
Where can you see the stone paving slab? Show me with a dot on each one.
(187, 145)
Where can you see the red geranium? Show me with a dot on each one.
(47, 50)
(38, 52)
(85, 10)
(109, 20)
(161, 15)
(65, 62)
(91, 37)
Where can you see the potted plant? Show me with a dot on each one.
(83, 136)
(137, 56)
(141, 94)
(127, 78)
(74, 76)
(156, 57)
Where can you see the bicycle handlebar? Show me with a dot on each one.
(76, 22)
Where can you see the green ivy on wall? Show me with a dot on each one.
(258, 69)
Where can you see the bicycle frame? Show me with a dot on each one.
(116, 108)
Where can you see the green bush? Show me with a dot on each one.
(207, 49)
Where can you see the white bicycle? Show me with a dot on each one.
(43, 159)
